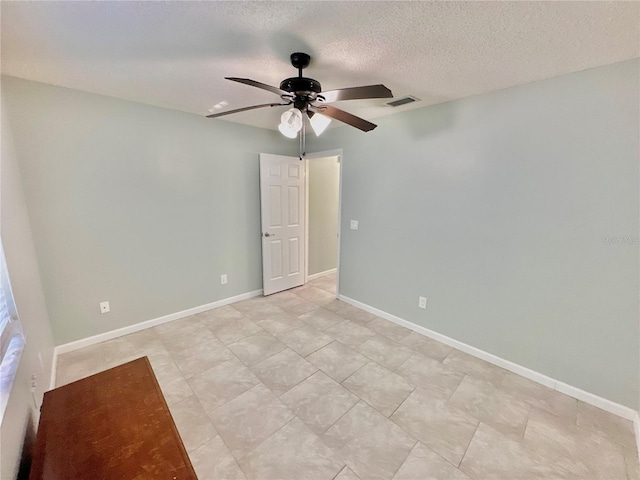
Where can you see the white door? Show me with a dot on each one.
(282, 196)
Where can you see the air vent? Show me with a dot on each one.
(403, 101)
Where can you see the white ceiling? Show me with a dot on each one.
(175, 54)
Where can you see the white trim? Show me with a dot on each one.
(120, 332)
(590, 398)
(306, 223)
(636, 428)
(595, 400)
(322, 274)
(340, 159)
(54, 369)
(325, 154)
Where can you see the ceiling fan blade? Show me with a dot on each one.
(263, 86)
(344, 117)
(356, 93)
(214, 115)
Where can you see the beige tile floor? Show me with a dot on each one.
(299, 385)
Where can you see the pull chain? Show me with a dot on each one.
(303, 141)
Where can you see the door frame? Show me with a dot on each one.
(310, 156)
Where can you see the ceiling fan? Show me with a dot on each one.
(307, 99)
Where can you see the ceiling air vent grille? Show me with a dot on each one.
(403, 101)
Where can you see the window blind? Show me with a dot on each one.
(11, 337)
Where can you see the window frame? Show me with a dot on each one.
(12, 339)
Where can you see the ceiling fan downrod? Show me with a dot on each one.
(304, 90)
(300, 61)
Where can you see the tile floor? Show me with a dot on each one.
(299, 385)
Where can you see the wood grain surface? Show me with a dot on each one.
(112, 425)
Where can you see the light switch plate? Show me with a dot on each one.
(354, 224)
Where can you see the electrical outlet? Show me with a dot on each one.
(223, 279)
(41, 362)
(422, 302)
(33, 384)
(354, 224)
(104, 307)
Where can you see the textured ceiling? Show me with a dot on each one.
(175, 54)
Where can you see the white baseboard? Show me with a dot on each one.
(54, 369)
(590, 398)
(120, 332)
(321, 274)
(596, 401)
(636, 429)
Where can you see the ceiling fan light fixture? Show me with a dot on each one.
(292, 118)
(319, 123)
(287, 131)
(290, 123)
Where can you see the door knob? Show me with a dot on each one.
(268, 235)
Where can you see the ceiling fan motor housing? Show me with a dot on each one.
(304, 89)
(301, 86)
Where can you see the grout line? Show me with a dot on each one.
(447, 355)
(402, 403)
(457, 387)
(205, 412)
(356, 371)
(317, 349)
(372, 406)
(402, 364)
(468, 445)
(447, 460)
(294, 417)
(345, 413)
(341, 470)
(234, 458)
(526, 423)
(405, 458)
(293, 386)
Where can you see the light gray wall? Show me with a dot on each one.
(500, 208)
(18, 424)
(324, 182)
(141, 206)
(510, 211)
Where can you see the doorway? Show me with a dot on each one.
(300, 217)
(322, 230)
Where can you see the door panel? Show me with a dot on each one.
(294, 210)
(282, 187)
(294, 254)
(275, 194)
(276, 259)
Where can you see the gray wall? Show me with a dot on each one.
(141, 206)
(511, 212)
(18, 424)
(324, 183)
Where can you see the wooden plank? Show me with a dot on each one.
(112, 425)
